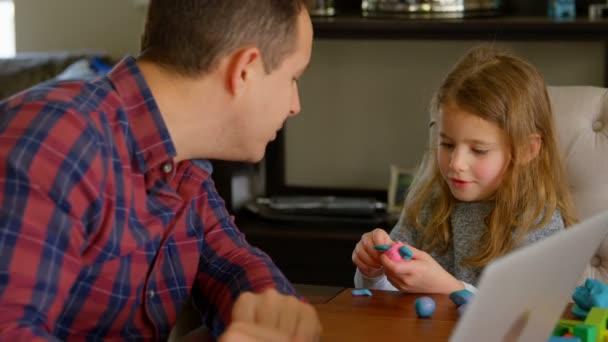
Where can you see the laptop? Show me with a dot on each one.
(521, 296)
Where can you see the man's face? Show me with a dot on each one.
(275, 96)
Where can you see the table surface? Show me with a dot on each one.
(383, 316)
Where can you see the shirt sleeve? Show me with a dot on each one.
(229, 265)
(377, 283)
(43, 165)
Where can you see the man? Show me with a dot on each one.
(109, 220)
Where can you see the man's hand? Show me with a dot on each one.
(365, 257)
(274, 311)
(251, 332)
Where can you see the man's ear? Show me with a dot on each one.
(532, 149)
(242, 67)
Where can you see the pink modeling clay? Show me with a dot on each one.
(393, 252)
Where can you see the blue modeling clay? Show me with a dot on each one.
(425, 306)
(593, 293)
(579, 312)
(382, 248)
(582, 297)
(405, 252)
(461, 297)
(361, 292)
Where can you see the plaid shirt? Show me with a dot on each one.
(102, 236)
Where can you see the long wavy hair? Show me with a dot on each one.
(506, 90)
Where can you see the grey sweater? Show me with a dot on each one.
(468, 225)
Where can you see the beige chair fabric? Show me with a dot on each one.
(581, 116)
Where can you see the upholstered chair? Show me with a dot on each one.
(581, 116)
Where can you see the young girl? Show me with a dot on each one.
(492, 180)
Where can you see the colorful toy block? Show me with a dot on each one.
(563, 339)
(560, 330)
(597, 317)
(587, 333)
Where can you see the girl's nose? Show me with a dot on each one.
(457, 160)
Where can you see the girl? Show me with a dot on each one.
(491, 181)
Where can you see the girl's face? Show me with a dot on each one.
(473, 154)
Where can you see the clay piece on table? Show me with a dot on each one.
(425, 306)
(461, 297)
(361, 292)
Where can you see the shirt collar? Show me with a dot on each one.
(151, 143)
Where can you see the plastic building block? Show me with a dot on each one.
(560, 330)
(597, 317)
(569, 323)
(587, 333)
(563, 339)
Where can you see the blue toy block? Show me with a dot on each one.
(563, 339)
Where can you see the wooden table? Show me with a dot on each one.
(383, 317)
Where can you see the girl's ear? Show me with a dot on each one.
(532, 148)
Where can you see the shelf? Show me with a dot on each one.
(494, 28)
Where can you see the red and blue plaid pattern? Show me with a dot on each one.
(102, 236)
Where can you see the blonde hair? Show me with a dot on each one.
(505, 90)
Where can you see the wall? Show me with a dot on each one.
(364, 102)
(112, 26)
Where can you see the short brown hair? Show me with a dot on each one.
(190, 36)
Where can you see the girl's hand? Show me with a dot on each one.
(365, 257)
(421, 274)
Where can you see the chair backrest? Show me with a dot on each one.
(581, 117)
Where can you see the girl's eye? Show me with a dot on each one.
(446, 145)
(478, 151)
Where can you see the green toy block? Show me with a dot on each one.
(569, 323)
(560, 330)
(598, 318)
(587, 333)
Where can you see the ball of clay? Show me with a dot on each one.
(425, 306)
(461, 297)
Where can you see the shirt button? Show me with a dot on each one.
(151, 294)
(167, 167)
